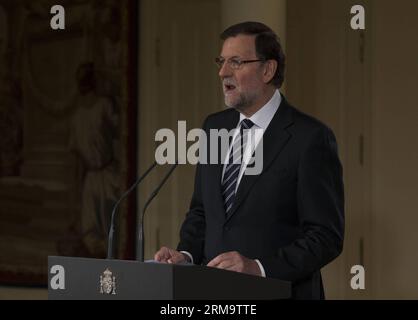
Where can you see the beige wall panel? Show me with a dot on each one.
(395, 149)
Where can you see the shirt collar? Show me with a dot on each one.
(263, 117)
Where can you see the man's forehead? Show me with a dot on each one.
(239, 46)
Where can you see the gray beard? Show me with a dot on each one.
(242, 104)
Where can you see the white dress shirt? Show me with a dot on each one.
(261, 120)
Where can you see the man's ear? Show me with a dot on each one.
(269, 70)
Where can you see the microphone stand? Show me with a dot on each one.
(112, 222)
(140, 244)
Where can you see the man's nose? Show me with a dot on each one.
(225, 71)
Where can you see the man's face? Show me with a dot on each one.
(242, 87)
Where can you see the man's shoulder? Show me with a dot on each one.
(306, 123)
(307, 130)
(221, 117)
(222, 114)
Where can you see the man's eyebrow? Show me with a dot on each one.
(233, 57)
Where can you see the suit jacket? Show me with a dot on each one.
(290, 217)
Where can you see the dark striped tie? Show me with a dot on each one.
(233, 166)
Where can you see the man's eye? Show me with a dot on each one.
(235, 63)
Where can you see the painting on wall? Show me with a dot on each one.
(67, 132)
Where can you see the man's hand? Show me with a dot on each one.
(233, 261)
(167, 255)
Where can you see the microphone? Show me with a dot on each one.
(140, 244)
(112, 222)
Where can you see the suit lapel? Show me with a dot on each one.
(229, 122)
(274, 139)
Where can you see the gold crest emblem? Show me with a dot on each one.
(107, 283)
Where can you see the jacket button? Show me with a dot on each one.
(226, 228)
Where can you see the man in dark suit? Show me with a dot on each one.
(286, 222)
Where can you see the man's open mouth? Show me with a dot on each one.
(228, 88)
